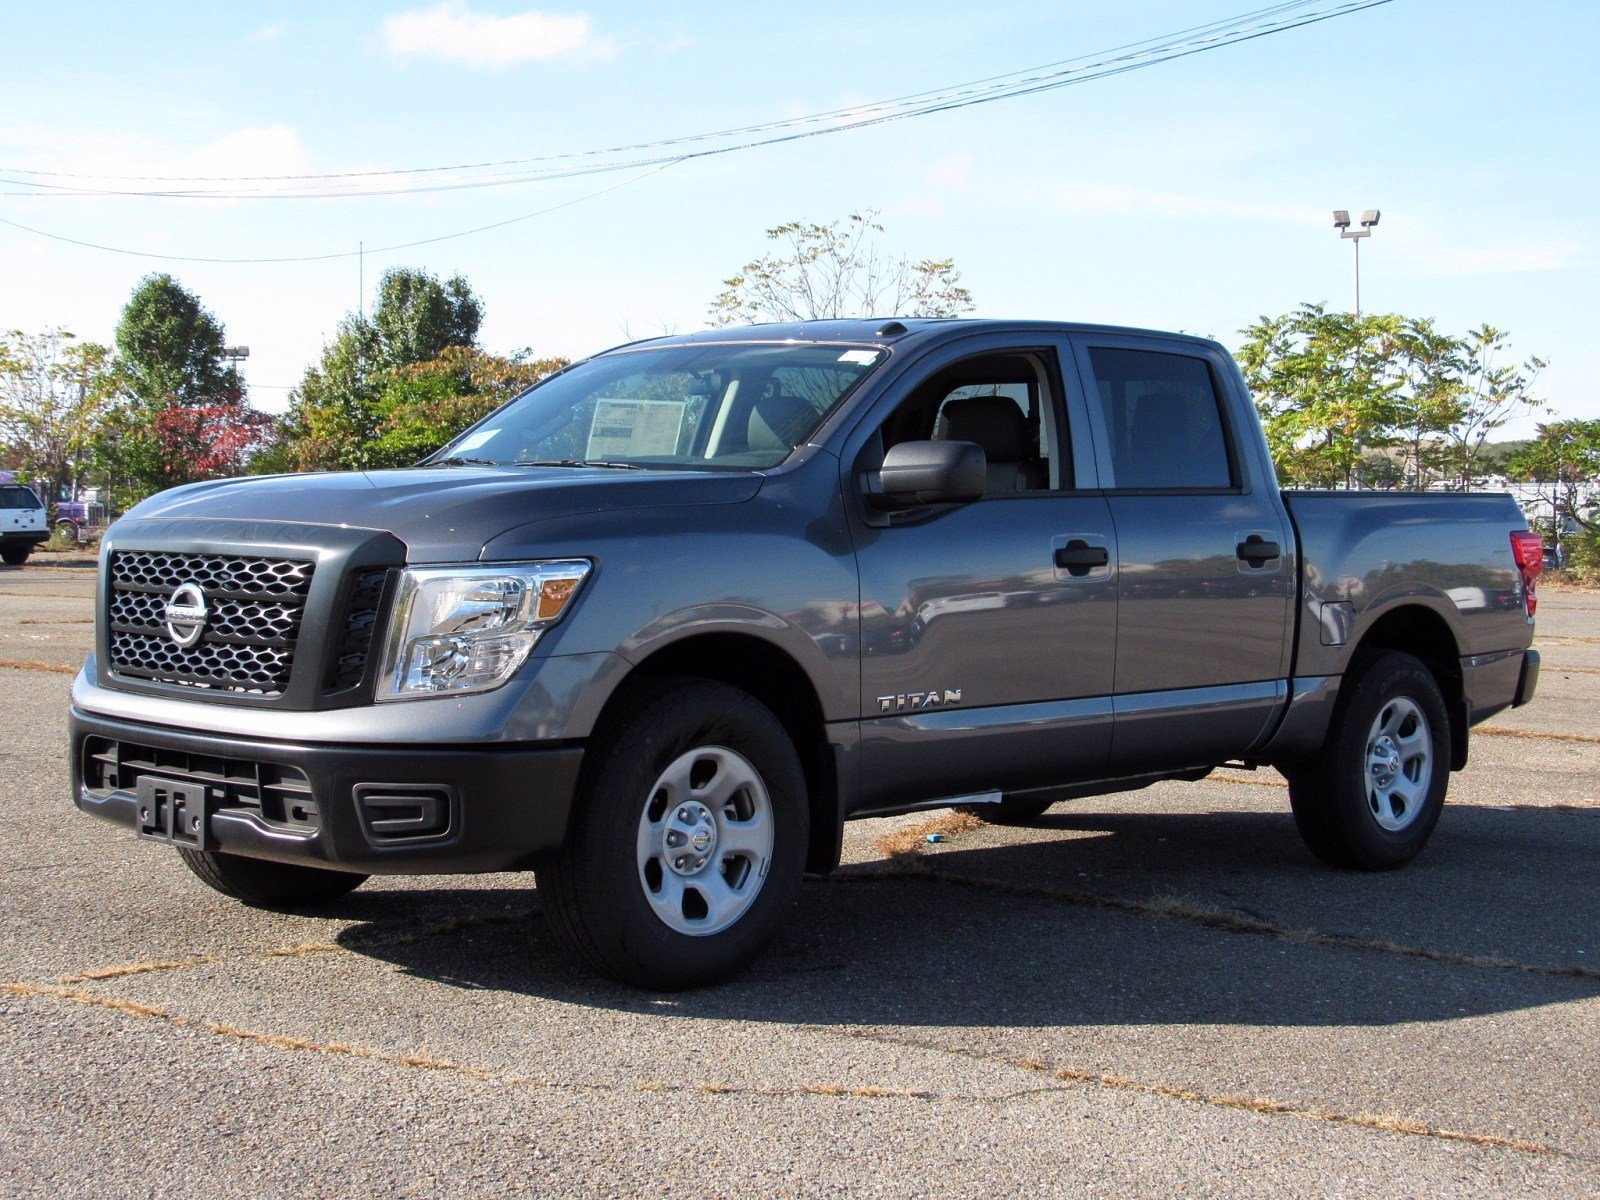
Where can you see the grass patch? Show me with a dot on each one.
(907, 842)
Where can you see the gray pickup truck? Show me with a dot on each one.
(660, 625)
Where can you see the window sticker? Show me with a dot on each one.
(863, 357)
(635, 428)
(473, 441)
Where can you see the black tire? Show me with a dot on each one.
(263, 884)
(595, 888)
(15, 557)
(1013, 810)
(1337, 815)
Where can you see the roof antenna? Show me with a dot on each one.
(892, 329)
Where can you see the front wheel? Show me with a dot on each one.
(688, 838)
(1373, 794)
(264, 884)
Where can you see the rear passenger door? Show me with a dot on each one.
(1205, 566)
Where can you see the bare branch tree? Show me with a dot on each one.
(837, 270)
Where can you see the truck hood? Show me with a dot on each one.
(443, 514)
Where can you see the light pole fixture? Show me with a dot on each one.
(1369, 222)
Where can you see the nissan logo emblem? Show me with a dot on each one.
(186, 614)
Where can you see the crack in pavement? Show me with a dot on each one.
(130, 1008)
(353, 944)
(29, 665)
(1536, 736)
(1254, 1104)
(1066, 1075)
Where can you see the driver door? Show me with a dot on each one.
(987, 644)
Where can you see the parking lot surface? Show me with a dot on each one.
(1156, 993)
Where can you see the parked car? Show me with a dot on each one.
(22, 523)
(659, 626)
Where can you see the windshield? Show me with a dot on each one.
(710, 406)
(14, 495)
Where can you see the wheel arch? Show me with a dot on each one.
(773, 676)
(1421, 632)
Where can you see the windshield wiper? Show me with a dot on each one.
(584, 462)
(459, 461)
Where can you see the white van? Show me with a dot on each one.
(22, 523)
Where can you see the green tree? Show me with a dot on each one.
(417, 317)
(332, 415)
(1333, 387)
(392, 388)
(169, 347)
(838, 270)
(1491, 392)
(424, 405)
(54, 394)
(1326, 385)
(1566, 455)
(1429, 401)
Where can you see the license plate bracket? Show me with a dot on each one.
(172, 812)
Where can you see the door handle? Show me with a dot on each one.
(1256, 550)
(1077, 557)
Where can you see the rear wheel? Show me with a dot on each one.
(687, 842)
(263, 884)
(1372, 796)
(15, 556)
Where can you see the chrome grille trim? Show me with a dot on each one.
(255, 605)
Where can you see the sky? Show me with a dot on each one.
(1192, 195)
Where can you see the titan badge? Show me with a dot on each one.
(906, 701)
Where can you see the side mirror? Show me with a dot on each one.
(916, 473)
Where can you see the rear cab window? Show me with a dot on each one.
(1163, 422)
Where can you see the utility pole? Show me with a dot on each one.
(1369, 222)
(361, 279)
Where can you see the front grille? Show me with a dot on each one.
(361, 614)
(254, 609)
(279, 795)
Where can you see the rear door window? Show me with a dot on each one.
(14, 495)
(1163, 420)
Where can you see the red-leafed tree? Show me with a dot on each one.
(207, 441)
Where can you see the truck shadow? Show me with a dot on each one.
(1110, 919)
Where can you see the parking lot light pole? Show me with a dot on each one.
(1369, 222)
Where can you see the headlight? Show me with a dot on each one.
(467, 629)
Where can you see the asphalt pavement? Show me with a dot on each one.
(1156, 993)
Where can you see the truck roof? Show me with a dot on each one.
(883, 331)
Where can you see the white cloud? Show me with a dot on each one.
(274, 150)
(267, 33)
(454, 32)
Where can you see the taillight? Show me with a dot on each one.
(1528, 549)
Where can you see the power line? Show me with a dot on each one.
(302, 258)
(1150, 52)
(1031, 82)
(1270, 10)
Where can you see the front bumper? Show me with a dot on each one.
(409, 810)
